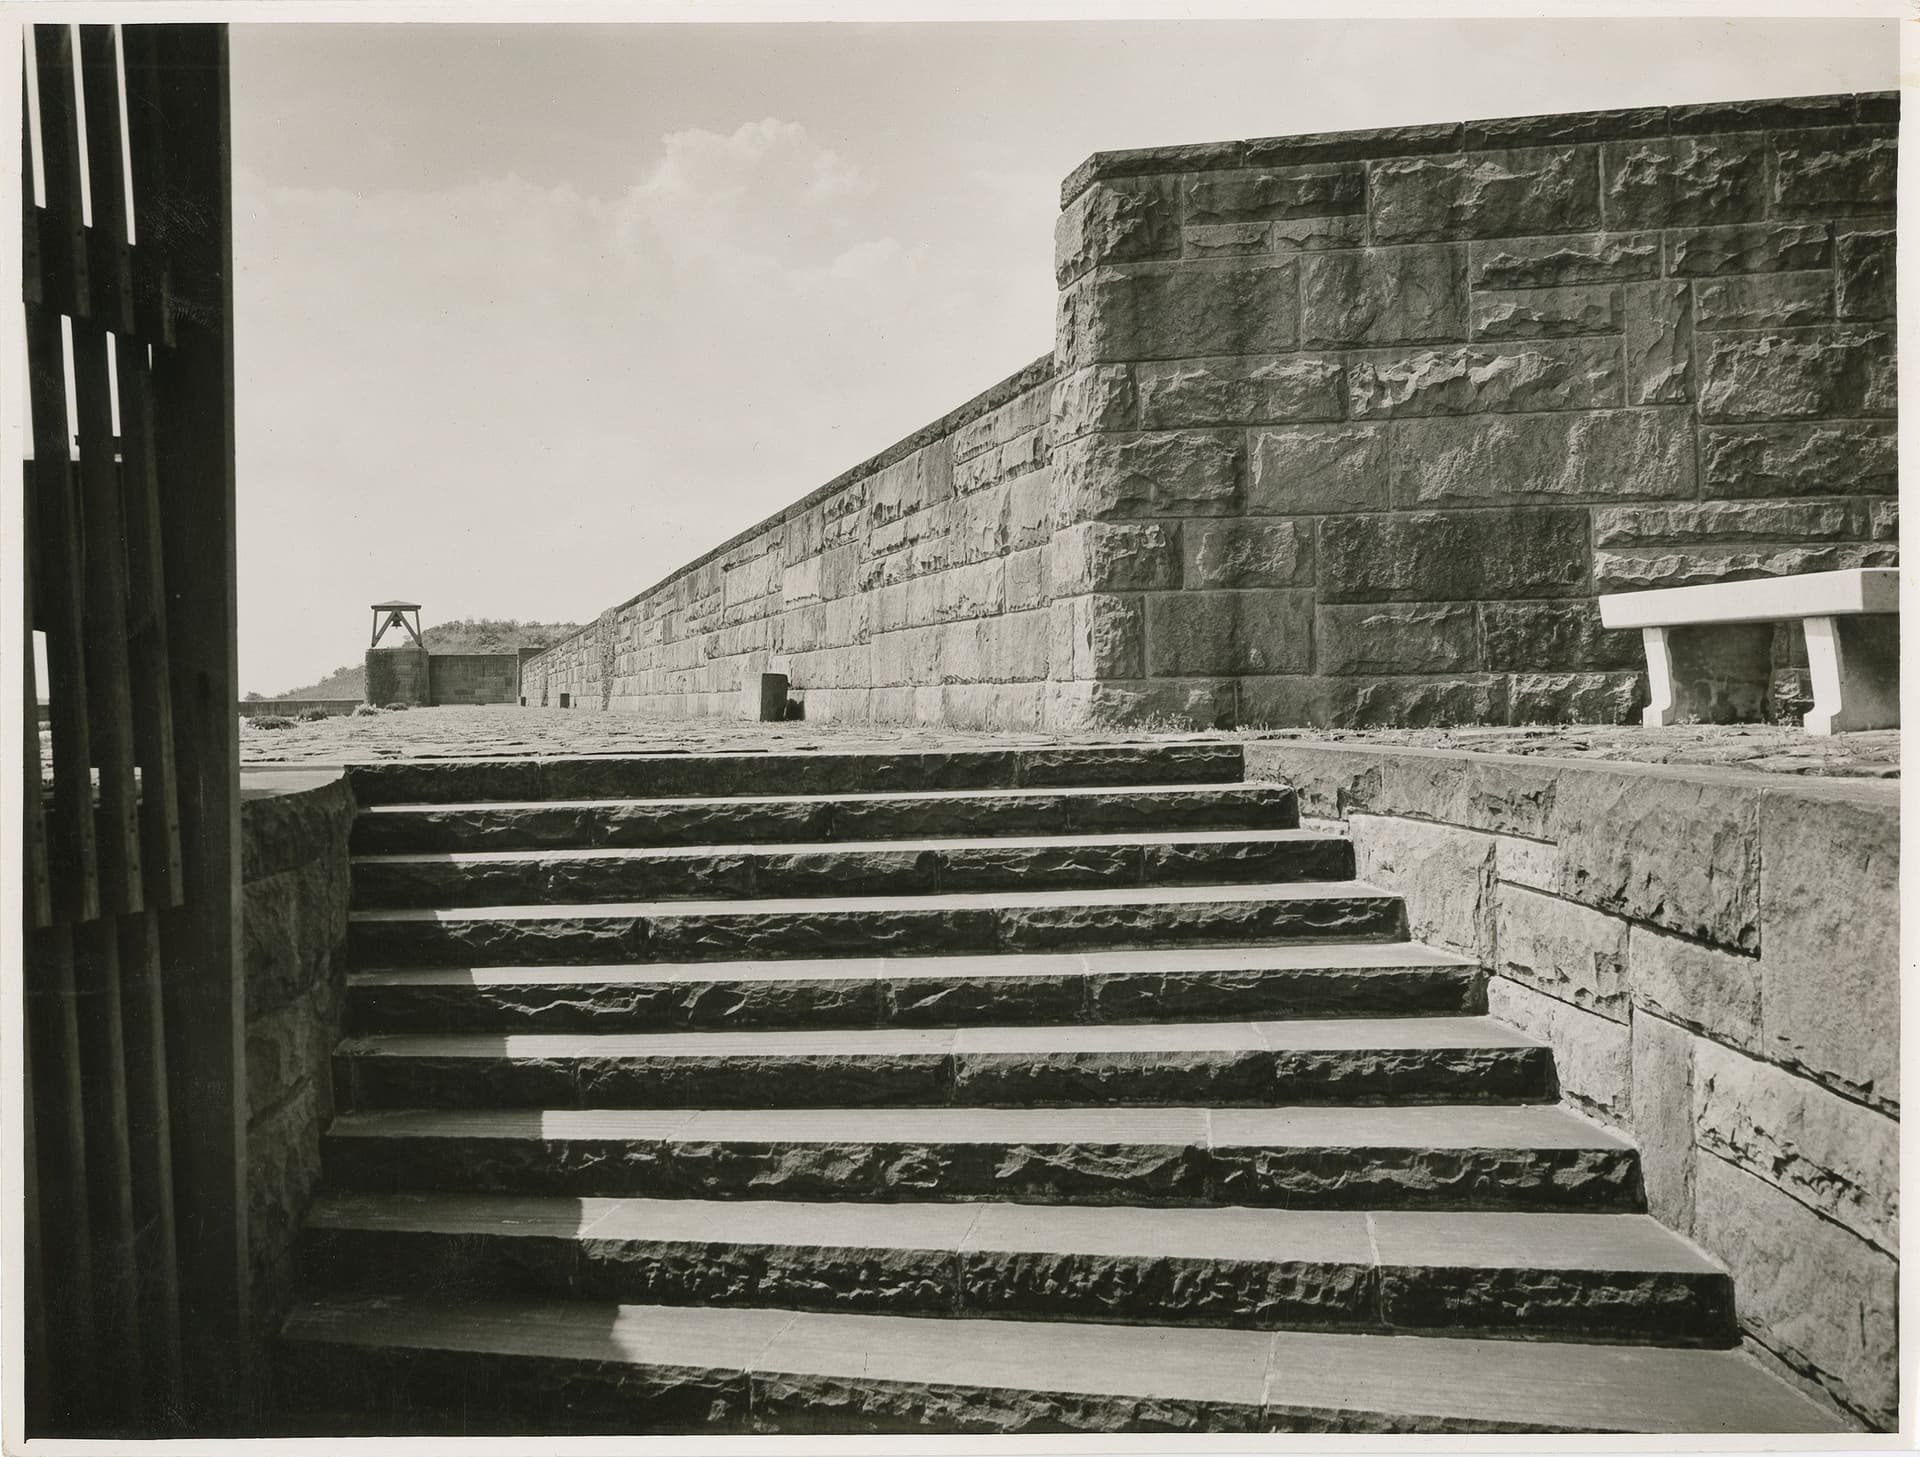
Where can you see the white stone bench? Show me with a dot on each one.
(1708, 648)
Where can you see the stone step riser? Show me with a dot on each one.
(1582, 1179)
(644, 824)
(777, 875)
(724, 1004)
(451, 781)
(907, 1080)
(587, 940)
(1629, 1306)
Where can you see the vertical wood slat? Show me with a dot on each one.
(109, 1171)
(147, 644)
(150, 1128)
(63, 241)
(38, 907)
(53, 1040)
(30, 285)
(179, 129)
(103, 532)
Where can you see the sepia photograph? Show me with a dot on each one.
(827, 722)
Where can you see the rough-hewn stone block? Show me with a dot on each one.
(1592, 1053)
(1838, 457)
(1561, 258)
(1187, 311)
(1632, 571)
(1729, 522)
(1677, 852)
(1570, 374)
(1184, 473)
(1747, 248)
(1658, 331)
(1374, 296)
(1445, 874)
(1396, 637)
(1432, 556)
(1101, 556)
(1485, 194)
(1829, 1153)
(1224, 240)
(1442, 460)
(1863, 277)
(1546, 313)
(1097, 636)
(1100, 397)
(1820, 1296)
(1662, 1094)
(1224, 197)
(1808, 373)
(1195, 633)
(1764, 301)
(1319, 469)
(1247, 553)
(1306, 235)
(1835, 171)
(1199, 702)
(1241, 391)
(1829, 877)
(1372, 702)
(1121, 221)
(1548, 636)
(1684, 182)
(1566, 950)
(1716, 993)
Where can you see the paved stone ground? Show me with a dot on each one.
(454, 732)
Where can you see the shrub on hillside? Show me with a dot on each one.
(312, 715)
(271, 721)
(395, 707)
(368, 710)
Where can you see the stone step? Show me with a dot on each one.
(1435, 1156)
(1324, 1060)
(637, 823)
(1001, 921)
(653, 776)
(1315, 980)
(391, 1363)
(1614, 1277)
(853, 868)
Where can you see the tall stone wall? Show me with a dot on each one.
(397, 675)
(1348, 429)
(912, 587)
(1354, 427)
(473, 678)
(1714, 956)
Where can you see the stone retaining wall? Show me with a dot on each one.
(288, 707)
(293, 916)
(1354, 427)
(1348, 429)
(1714, 956)
(912, 587)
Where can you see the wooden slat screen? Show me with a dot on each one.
(134, 1016)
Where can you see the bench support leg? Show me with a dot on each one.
(1707, 674)
(1855, 666)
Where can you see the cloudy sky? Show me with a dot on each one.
(528, 316)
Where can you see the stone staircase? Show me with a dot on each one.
(1045, 1088)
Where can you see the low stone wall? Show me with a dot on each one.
(293, 916)
(914, 586)
(288, 707)
(1714, 957)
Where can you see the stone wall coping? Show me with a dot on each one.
(1562, 128)
(988, 400)
(268, 781)
(1881, 794)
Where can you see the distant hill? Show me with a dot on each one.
(478, 635)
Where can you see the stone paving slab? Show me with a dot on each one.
(460, 732)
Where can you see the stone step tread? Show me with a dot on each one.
(1423, 1126)
(1172, 1038)
(1453, 1239)
(984, 843)
(1337, 1378)
(842, 905)
(1243, 789)
(1311, 956)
